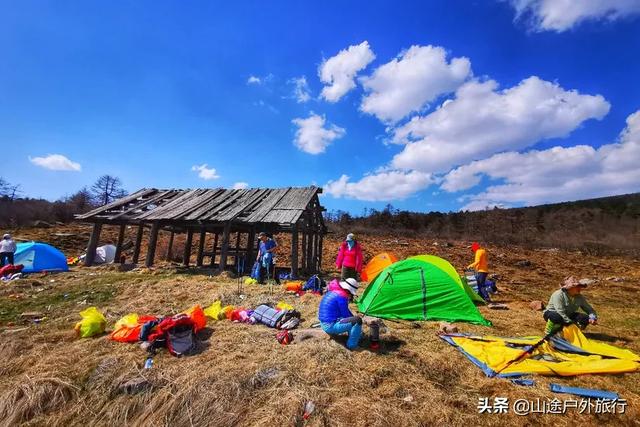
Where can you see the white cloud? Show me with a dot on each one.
(240, 186)
(312, 136)
(205, 172)
(405, 84)
(381, 186)
(338, 72)
(301, 91)
(254, 80)
(482, 120)
(56, 162)
(556, 174)
(561, 15)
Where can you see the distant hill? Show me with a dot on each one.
(594, 225)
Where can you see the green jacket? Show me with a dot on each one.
(565, 306)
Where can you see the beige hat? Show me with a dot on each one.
(572, 282)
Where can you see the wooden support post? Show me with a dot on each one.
(309, 252)
(153, 240)
(203, 236)
(251, 244)
(304, 248)
(294, 252)
(237, 255)
(215, 248)
(170, 247)
(186, 255)
(224, 250)
(314, 252)
(136, 249)
(93, 244)
(320, 253)
(116, 258)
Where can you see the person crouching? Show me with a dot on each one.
(564, 305)
(334, 314)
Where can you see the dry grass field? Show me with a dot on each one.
(242, 376)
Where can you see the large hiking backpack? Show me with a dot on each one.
(176, 333)
(314, 284)
(268, 316)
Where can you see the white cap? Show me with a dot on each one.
(351, 285)
(6, 236)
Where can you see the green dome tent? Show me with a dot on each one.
(423, 287)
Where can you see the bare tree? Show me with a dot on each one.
(10, 191)
(107, 189)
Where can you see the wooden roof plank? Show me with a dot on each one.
(117, 203)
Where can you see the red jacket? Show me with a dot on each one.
(349, 258)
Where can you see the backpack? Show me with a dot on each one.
(176, 333)
(255, 270)
(268, 316)
(314, 284)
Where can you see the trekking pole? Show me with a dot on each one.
(527, 351)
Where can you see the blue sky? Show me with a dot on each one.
(440, 105)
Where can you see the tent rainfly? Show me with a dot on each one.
(222, 213)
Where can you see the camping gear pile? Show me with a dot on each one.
(177, 333)
(11, 272)
(488, 288)
(568, 354)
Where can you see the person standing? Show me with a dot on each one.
(349, 259)
(266, 250)
(7, 249)
(481, 267)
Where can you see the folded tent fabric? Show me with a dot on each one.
(556, 357)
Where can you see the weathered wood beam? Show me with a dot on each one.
(199, 258)
(186, 255)
(294, 252)
(304, 249)
(251, 247)
(320, 253)
(153, 241)
(138, 245)
(224, 252)
(170, 247)
(116, 258)
(93, 244)
(215, 248)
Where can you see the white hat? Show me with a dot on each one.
(350, 236)
(350, 285)
(6, 236)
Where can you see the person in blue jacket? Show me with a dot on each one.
(336, 318)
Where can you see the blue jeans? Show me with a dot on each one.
(352, 327)
(482, 290)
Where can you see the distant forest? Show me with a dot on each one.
(596, 225)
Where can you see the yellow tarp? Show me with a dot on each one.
(557, 358)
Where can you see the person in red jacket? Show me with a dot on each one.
(349, 259)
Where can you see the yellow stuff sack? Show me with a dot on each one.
(284, 306)
(214, 311)
(93, 323)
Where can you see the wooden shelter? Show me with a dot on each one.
(221, 212)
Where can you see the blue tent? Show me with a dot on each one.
(39, 257)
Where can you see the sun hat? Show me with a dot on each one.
(572, 282)
(351, 285)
